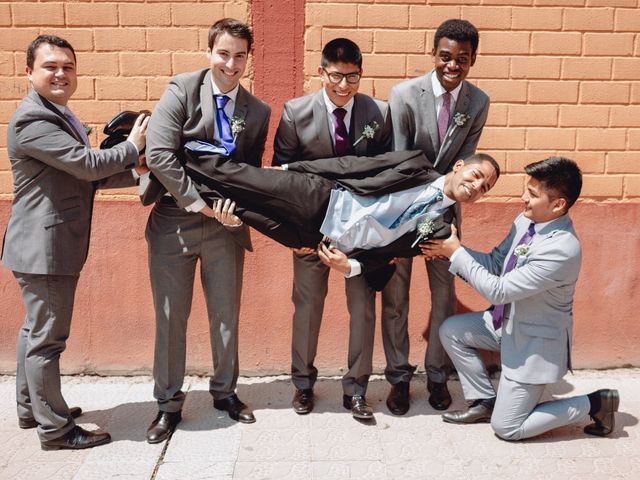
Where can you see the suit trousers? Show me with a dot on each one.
(518, 413)
(48, 300)
(177, 240)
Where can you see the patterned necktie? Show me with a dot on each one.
(444, 116)
(77, 126)
(418, 208)
(498, 310)
(340, 132)
(224, 127)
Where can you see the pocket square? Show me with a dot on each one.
(204, 147)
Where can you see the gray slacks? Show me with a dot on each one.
(177, 240)
(48, 300)
(517, 413)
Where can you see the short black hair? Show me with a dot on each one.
(558, 175)
(341, 50)
(483, 157)
(458, 30)
(46, 39)
(233, 27)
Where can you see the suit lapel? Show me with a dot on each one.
(240, 111)
(67, 127)
(428, 103)
(206, 104)
(359, 121)
(320, 118)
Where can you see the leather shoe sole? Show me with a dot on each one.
(26, 423)
(76, 439)
(605, 421)
(163, 426)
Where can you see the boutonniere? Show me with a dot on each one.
(459, 119)
(87, 129)
(424, 229)
(368, 132)
(521, 250)
(237, 126)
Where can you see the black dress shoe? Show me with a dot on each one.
(358, 406)
(398, 399)
(303, 401)
(479, 412)
(440, 398)
(75, 439)
(604, 417)
(163, 426)
(26, 423)
(237, 410)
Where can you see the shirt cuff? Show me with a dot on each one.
(356, 268)
(196, 206)
(455, 254)
(285, 166)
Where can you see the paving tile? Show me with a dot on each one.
(272, 470)
(343, 470)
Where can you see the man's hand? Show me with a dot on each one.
(334, 258)
(138, 135)
(434, 249)
(142, 168)
(223, 210)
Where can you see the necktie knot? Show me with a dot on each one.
(341, 136)
(446, 100)
(221, 101)
(532, 229)
(340, 113)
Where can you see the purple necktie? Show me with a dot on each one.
(77, 126)
(340, 132)
(498, 310)
(444, 116)
(224, 127)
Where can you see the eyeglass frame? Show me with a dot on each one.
(342, 76)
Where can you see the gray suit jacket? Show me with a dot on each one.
(536, 335)
(415, 126)
(186, 111)
(303, 132)
(54, 180)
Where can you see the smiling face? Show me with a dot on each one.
(228, 58)
(452, 62)
(53, 74)
(340, 93)
(540, 205)
(469, 182)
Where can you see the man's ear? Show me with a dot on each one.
(28, 70)
(560, 204)
(458, 165)
(209, 53)
(473, 59)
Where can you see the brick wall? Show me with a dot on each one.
(563, 76)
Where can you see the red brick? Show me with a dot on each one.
(628, 116)
(5, 165)
(6, 179)
(313, 39)
(551, 138)
(80, 38)
(17, 39)
(117, 88)
(497, 116)
(93, 112)
(584, 116)
(485, 17)
(392, 41)
(380, 65)
(537, 18)
(382, 86)
(145, 64)
(13, 87)
(634, 139)
(504, 43)
(611, 3)
(98, 64)
(7, 107)
(92, 15)
(516, 161)
(508, 2)
(533, 115)
(546, 43)
(119, 39)
(312, 60)
(27, 14)
(145, 15)
(626, 68)
(544, 68)
(589, 162)
(386, 16)
(586, 68)
(419, 65)
(85, 90)
(156, 86)
(364, 38)
(627, 19)
(139, 104)
(601, 139)
(203, 14)
(431, 16)
(239, 11)
(5, 15)
(505, 90)
(187, 62)
(7, 64)
(489, 67)
(331, 15)
(366, 86)
(509, 185)
(635, 93)
(172, 39)
(609, 186)
(623, 162)
(632, 186)
(3, 136)
(618, 44)
(588, 19)
(553, 92)
(502, 138)
(604, 92)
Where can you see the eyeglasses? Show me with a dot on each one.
(336, 77)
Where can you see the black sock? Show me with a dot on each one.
(594, 401)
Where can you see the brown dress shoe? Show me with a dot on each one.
(358, 406)
(303, 401)
(439, 397)
(26, 423)
(398, 399)
(75, 439)
(237, 410)
(479, 412)
(163, 426)
(604, 417)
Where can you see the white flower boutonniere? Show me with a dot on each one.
(461, 118)
(424, 229)
(237, 126)
(521, 250)
(368, 132)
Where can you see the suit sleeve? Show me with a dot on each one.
(286, 144)
(254, 156)
(402, 122)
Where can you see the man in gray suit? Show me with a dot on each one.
(443, 115)
(55, 176)
(531, 278)
(332, 122)
(206, 108)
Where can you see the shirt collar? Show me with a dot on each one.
(439, 184)
(438, 89)
(539, 226)
(62, 108)
(231, 94)
(330, 106)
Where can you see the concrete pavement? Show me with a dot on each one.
(326, 444)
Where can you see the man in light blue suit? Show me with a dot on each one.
(530, 278)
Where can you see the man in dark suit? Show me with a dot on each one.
(209, 107)
(55, 176)
(530, 277)
(443, 115)
(324, 124)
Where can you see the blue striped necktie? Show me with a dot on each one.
(418, 208)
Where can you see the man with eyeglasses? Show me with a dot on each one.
(335, 121)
